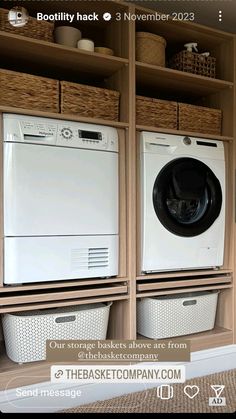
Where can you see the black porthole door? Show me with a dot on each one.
(187, 197)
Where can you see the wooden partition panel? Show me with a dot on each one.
(234, 191)
(119, 321)
(123, 138)
(224, 316)
(131, 188)
(1, 201)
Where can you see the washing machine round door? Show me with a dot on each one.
(187, 197)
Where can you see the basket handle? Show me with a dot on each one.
(65, 319)
(189, 302)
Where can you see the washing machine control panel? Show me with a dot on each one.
(82, 136)
(87, 136)
(29, 129)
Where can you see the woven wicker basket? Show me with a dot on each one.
(89, 101)
(199, 119)
(33, 29)
(28, 91)
(150, 48)
(156, 113)
(191, 62)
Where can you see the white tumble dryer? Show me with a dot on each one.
(60, 200)
(182, 202)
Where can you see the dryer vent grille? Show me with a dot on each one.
(90, 258)
(98, 257)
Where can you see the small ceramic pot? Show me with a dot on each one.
(67, 35)
(86, 44)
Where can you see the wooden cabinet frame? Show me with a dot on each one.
(123, 73)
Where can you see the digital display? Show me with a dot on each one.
(91, 135)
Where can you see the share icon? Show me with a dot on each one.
(218, 389)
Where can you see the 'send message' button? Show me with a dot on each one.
(117, 374)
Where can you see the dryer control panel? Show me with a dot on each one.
(45, 131)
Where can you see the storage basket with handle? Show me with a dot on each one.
(199, 119)
(156, 112)
(192, 62)
(150, 48)
(41, 30)
(89, 101)
(177, 315)
(28, 91)
(26, 333)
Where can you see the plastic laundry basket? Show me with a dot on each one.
(26, 333)
(176, 315)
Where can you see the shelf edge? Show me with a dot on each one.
(185, 75)
(60, 116)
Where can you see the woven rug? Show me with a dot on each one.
(148, 402)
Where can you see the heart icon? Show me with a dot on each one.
(191, 391)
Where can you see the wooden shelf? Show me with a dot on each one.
(60, 303)
(67, 117)
(183, 133)
(159, 285)
(218, 336)
(37, 296)
(167, 79)
(181, 290)
(58, 57)
(61, 284)
(184, 274)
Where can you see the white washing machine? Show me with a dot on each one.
(60, 200)
(182, 202)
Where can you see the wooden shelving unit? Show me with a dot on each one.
(165, 83)
(55, 56)
(123, 73)
(168, 79)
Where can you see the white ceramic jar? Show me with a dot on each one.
(67, 35)
(86, 44)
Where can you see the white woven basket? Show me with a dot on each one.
(26, 333)
(176, 315)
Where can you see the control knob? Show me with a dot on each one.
(66, 133)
